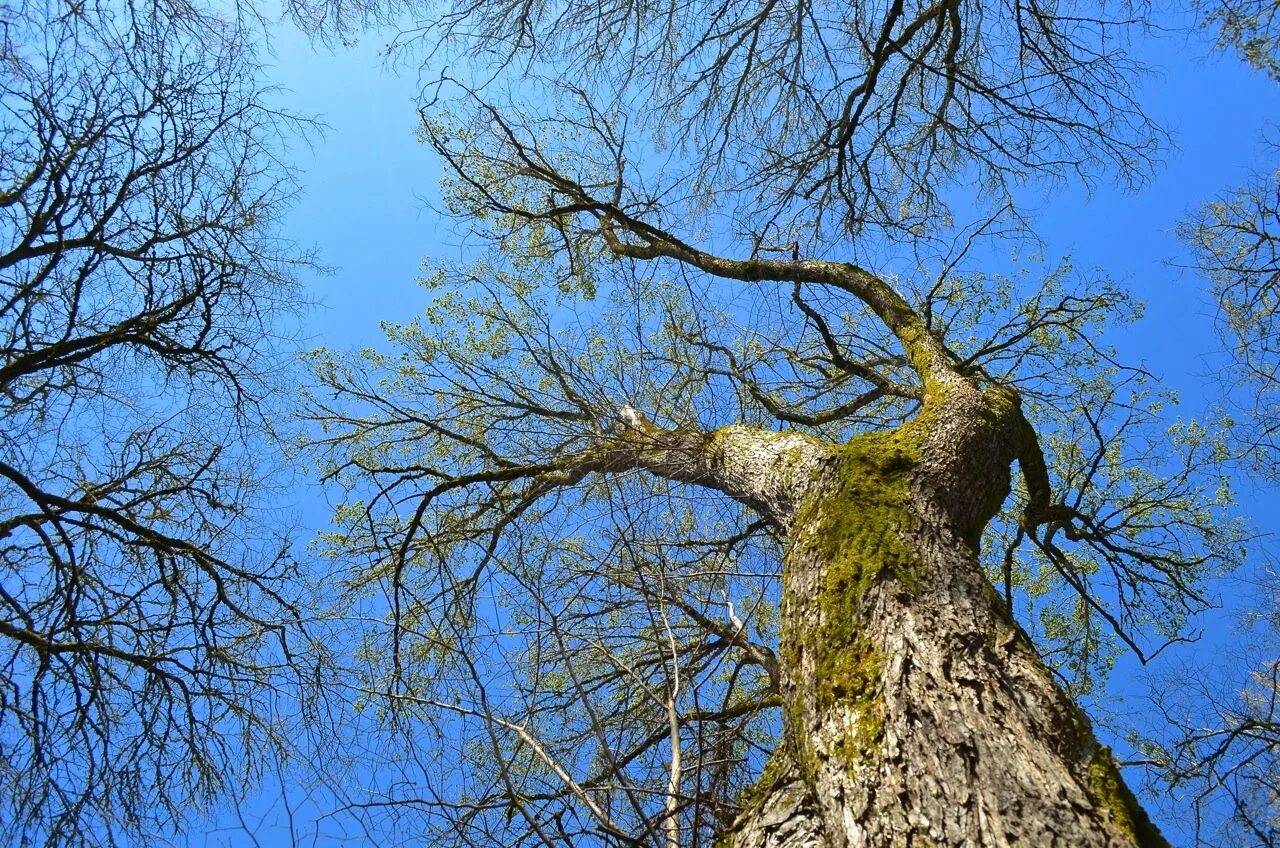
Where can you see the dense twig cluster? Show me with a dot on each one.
(825, 115)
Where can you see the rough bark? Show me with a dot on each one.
(916, 713)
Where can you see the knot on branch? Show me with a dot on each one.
(635, 430)
(633, 420)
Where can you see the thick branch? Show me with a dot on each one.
(927, 355)
(766, 470)
(935, 365)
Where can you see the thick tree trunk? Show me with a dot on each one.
(916, 712)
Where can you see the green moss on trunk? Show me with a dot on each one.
(851, 529)
(1108, 790)
(855, 526)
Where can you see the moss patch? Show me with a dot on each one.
(851, 529)
(752, 800)
(850, 536)
(1107, 789)
(754, 796)
(854, 526)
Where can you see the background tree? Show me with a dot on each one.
(1222, 753)
(1228, 739)
(144, 603)
(1235, 242)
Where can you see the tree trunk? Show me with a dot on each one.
(916, 712)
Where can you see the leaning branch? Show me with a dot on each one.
(628, 236)
(934, 364)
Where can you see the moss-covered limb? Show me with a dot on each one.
(929, 357)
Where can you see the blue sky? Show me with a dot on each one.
(366, 206)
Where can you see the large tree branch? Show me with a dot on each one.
(930, 359)
(764, 469)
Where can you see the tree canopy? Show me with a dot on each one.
(649, 272)
(708, 245)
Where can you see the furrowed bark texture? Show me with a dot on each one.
(916, 712)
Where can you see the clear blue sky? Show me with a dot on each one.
(368, 184)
